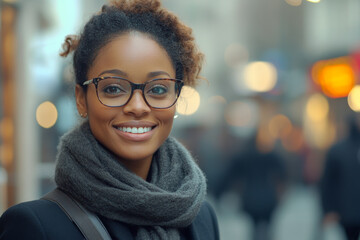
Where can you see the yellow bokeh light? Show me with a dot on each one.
(46, 114)
(188, 102)
(294, 2)
(320, 134)
(314, 1)
(260, 76)
(354, 99)
(317, 108)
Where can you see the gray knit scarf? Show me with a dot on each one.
(93, 176)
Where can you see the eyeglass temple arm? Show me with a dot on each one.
(88, 82)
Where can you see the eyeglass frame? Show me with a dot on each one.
(134, 86)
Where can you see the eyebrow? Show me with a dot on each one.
(157, 73)
(119, 72)
(114, 71)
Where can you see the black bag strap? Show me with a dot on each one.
(88, 223)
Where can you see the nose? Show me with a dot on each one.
(137, 105)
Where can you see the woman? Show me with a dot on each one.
(130, 63)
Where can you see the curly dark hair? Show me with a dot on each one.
(146, 16)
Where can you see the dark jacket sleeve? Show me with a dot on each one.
(20, 222)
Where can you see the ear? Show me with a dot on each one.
(80, 96)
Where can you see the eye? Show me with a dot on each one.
(157, 90)
(113, 89)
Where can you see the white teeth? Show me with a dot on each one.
(134, 129)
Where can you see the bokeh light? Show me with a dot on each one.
(354, 99)
(188, 102)
(280, 126)
(242, 117)
(264, 141)
(314, 1)
(294, 2)
(294, 141)
(320, 135)
(239, 114)
(317, 108)
(46, 114)
(319, 132)
(260, 76)
(336, 77)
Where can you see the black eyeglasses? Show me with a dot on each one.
(158, 93)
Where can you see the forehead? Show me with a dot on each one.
(133, 53)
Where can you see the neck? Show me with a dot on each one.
(139, 167)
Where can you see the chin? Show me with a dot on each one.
(135, 153)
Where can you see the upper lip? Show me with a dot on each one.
(136, 124)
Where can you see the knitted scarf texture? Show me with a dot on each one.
(92, 175)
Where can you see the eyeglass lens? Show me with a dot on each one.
(161, 93)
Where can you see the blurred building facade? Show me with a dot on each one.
(269, 66)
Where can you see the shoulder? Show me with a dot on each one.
(205, 225)
(39, 219)
(337, 152)
(20, 220)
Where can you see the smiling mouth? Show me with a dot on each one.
(136, 130)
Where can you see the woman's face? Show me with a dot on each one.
(138, 58)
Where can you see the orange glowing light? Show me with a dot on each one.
(336, 77)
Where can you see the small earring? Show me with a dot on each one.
(83, 115)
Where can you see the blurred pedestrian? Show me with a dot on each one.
(261, 175)
(340, 183)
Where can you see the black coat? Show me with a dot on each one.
(340, 183)
(42, 219)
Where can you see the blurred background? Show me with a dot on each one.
(282, 85)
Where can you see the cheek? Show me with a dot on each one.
(98, 114)
(167, 116)
(166, 119)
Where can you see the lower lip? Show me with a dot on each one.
(136, 137)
